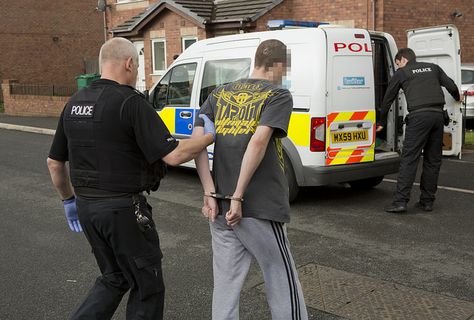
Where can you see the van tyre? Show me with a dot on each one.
(291, 178)
(366, 183)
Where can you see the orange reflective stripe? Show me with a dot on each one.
(359, 115)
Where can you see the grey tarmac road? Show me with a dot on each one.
(46, 269)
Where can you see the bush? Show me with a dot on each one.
(1, 107)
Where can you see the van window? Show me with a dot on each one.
(175, 87)
(219, 72)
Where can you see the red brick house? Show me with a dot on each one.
(48, 41)
(162, 29)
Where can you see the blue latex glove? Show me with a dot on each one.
(208, 125)
(71, 215)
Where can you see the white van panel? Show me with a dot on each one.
(441, 45)
(234, 43)
(352, 83)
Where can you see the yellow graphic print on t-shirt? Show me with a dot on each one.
(238, 112)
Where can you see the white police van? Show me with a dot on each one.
(338, 78)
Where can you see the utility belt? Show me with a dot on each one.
(430, 109)
(445, 113)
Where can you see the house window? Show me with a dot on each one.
(176, 86)
(188, 41)
(159, 55)
(219, 72)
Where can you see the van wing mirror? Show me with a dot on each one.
(157, 98)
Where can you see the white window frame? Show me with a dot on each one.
(155, 71)
(183, 39)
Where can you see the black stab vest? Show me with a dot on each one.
(103, 153)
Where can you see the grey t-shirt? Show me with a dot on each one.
(237, 109)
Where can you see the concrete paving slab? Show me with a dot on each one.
(353, 296)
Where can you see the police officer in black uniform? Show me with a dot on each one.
(421, 82)
(117, 147)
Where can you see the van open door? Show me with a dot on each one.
(441, 45)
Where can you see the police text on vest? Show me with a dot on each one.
(421, 70)
(82, 110)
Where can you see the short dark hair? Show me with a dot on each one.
(406, 53)
(270, 52)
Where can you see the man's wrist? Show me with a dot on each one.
(223, 197)
(69, 198)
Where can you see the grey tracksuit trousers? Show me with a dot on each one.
(233, 249)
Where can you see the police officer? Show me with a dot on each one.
(421, 82)
(116, 146)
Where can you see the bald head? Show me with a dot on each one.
(117, 50)
(118, 60)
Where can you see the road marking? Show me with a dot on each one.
(27, 129)
(439, 187)
(459, 161)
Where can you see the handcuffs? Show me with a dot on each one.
(143, 221)
(223, 197)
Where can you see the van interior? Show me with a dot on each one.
(387, 139)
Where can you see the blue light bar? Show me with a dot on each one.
(281, 24)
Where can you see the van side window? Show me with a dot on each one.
(219, 72)
(175, 87)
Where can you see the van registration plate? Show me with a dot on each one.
(350, 136)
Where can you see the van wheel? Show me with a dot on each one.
(291, 178)
(366, 183)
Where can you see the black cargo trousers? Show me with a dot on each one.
(424, 132)
(128, 258)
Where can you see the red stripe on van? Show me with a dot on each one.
(359, 115)
(355, 156)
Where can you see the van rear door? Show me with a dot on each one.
(441, 45)
(350, 125)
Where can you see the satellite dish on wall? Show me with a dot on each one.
(101, 5)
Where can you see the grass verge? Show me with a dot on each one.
(469, 138)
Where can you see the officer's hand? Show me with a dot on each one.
(208, 126)
(379, 128)
(70, 210)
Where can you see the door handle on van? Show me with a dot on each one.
(185, 114)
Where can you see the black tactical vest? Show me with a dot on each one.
(421, 85)
(103, 153)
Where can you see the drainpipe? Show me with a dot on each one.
(373, 14)
(105, 25)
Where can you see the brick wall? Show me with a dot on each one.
(351, 13)
(46, 41)
(401, 15)
(173, 27)
(392, 16)
(168, 24)
(31, 105)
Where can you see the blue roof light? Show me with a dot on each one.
(281, 24)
